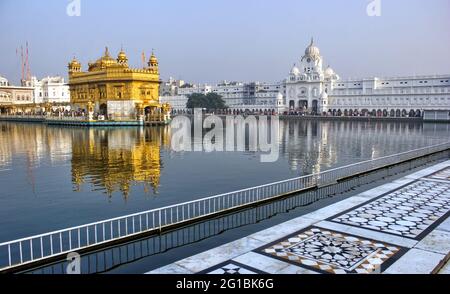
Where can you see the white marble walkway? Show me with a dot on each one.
(400, 227)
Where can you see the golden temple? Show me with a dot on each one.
(111, 90)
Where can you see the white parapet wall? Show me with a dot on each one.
(119, 110)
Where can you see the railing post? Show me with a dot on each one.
(51, 245)
(31, 249)
(42, 248)
(160, 225)
(9, 254)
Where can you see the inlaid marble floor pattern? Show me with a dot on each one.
(231, 268)
(411, 211)
(332, 252)
(338, 243)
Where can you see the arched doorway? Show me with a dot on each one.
(385, 113)
(404, 113)
(412, 113)
(398, 113)
(392, 114)
(418, 113)
(291, 105)
(103, 109)
(149, 113)
(303, 104)
(345, 112)
(315, 107)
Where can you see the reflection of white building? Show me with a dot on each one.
(311, 88)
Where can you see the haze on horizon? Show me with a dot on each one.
(209, 41)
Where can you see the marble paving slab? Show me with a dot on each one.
(416, 261)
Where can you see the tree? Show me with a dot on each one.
(210, 101)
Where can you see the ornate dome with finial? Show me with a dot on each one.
(312, 50)
(122, 57)
(153, 60)
(74, 65)
(104, 61)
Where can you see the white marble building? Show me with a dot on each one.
(49, 90)
(312, 89)
(253, 96)
(4, 82)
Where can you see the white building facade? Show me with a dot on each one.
(49, 90)
(238, 96)
(312, 89)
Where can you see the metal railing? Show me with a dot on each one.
(43, 117)
(13, 116)
(43, 246)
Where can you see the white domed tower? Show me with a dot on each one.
(307, 83)
(312, 60)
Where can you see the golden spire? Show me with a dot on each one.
(106, 52)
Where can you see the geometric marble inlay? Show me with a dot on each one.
(441, 175)
(332, 252)
(411, 212)
(231, 268)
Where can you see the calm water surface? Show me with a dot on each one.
(56, 177)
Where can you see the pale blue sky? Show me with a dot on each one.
(213, 40)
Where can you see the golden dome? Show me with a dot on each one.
(153, 60)
(104, 61)
(122, 57)
(74, 65)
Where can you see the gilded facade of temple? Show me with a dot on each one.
(113, 90)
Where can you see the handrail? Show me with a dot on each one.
(46, 245)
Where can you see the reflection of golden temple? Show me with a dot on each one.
(114, 91)
(116, 159)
